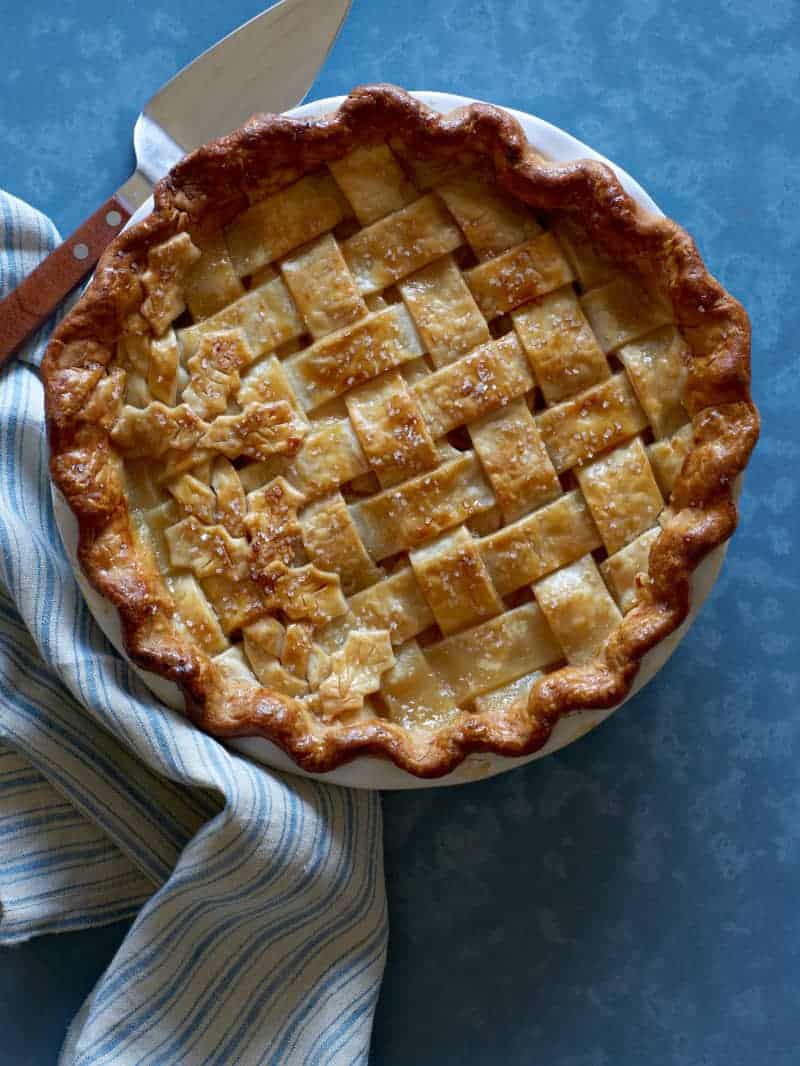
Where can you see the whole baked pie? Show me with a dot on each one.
(387, 435)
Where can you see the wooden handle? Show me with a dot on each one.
(32, 302)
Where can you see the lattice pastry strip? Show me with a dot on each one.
(373, 182)
(328, 413)
(322, 287)
(133, 351)
(454, 580)
(177, 461)
(427, 174)
(488, 377)
(622, 494)
(149, 432)
(221, 499)
(105, 403)
(194, 497)
(657, 366)
(258, 431)
(400, 244)
(133, 346)
(589, 266)
(352, 672)
(211, 283)
(414, 370)
(234, 669)
(143, 488)
(353, 355)
(480, 659)
(395, 604)
(391, 428)
(282, 222)
(518, 275)
(137, 393)
(413, 694)
(332, 542)
(236, 603)
(197, 614)
(491, 221)
(591, 422)
(329, 457)
(272, 524)
(303, 592)
(667, 456)
(551, 537)
(297, 646)
(510, 447)
(560, 344)
(207, 550)
(152, 525)
(485, 523)
(578, 608)
(444, 311)
(266, 314)
(269, 670)
(231, 504)
(266, 382)
(503, 698)
(623, 310)
(162, 369)
(416, 510)
(621, 569)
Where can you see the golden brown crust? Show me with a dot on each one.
(215, 183)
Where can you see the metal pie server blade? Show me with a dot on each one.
(268, 64)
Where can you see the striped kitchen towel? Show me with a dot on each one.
(261, 927)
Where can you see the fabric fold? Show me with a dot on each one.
(58, 870)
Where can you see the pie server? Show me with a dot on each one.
(267, 64)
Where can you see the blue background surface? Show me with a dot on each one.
(635, 898)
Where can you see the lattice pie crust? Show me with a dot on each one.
(387, 435)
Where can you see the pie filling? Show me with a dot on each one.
(397, 444)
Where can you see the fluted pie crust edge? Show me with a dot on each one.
(212, 185)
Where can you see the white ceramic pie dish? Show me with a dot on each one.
(366, 771)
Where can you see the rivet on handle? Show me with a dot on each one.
(34, 300)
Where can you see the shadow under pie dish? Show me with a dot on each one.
(385, 435)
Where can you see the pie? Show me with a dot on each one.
(387, 435)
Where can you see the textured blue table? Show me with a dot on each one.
(634, 899)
